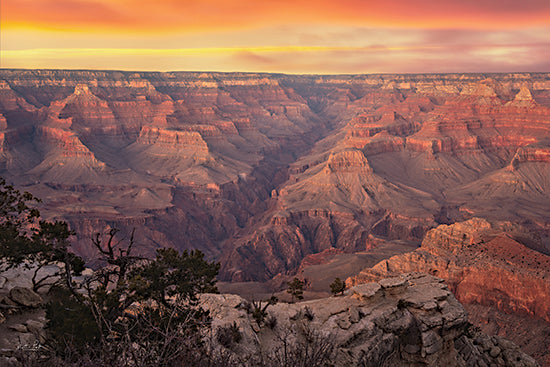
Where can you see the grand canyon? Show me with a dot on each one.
(278, 175)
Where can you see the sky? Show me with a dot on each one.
(282, 36)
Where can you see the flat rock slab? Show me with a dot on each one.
(20, 328)
(393, 282)
(425, 295)
(25, 297)
(365, 291)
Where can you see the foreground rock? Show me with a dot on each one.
(411, 320)
(484, 264)
(25, 297)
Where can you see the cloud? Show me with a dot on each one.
(193, 15)
(302, 60)
(295, 36)
(61, 13)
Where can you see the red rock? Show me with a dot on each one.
(481, 265)
(192, 158)
(171, 139)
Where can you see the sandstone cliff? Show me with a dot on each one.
(268, 169)
(483, 264)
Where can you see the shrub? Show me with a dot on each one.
(228, 335)
(271, 322)
(337, 286)
(296, 289)
(259, 312)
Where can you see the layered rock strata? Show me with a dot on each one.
(486, 265)
(262, 170)
(411, 320)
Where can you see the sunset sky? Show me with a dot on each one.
(289, 36)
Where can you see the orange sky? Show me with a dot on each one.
(291, 36)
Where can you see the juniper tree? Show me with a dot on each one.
(27, 241)
(338, 286)
(296, 289)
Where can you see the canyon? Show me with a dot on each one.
(271, 174)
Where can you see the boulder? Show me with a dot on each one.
(25, 297)
(35, 327)
(4, 300)
(20, 328)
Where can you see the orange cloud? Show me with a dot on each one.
(295, 36)
(192, 15)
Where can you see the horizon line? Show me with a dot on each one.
(270, 73)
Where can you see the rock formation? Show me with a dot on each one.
(483, 264)
(25, 297)
(262, 170)
(411, 320)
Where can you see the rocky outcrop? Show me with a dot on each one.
(524, 98)
(411, 320)
(68, 143)
(487, 265)
(348, 161)
(482, 263)
(171, 139)
(530, 154)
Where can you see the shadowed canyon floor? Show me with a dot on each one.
(320, 175)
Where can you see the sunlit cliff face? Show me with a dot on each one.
(300, 36)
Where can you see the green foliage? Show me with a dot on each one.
(17, 220)
(271, 322)
(338, 286)
(50, 244)
(259, 314)
(296, 289)
(307, 313)
(70, 321)
(145, 311)
(27, 240)
(259, 311)
(172, 274)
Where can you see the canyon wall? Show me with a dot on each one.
(262, 170)
(490, 268)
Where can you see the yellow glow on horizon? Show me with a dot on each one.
(277, 59)
(9, 54)
(233, 58)
(303, 36)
